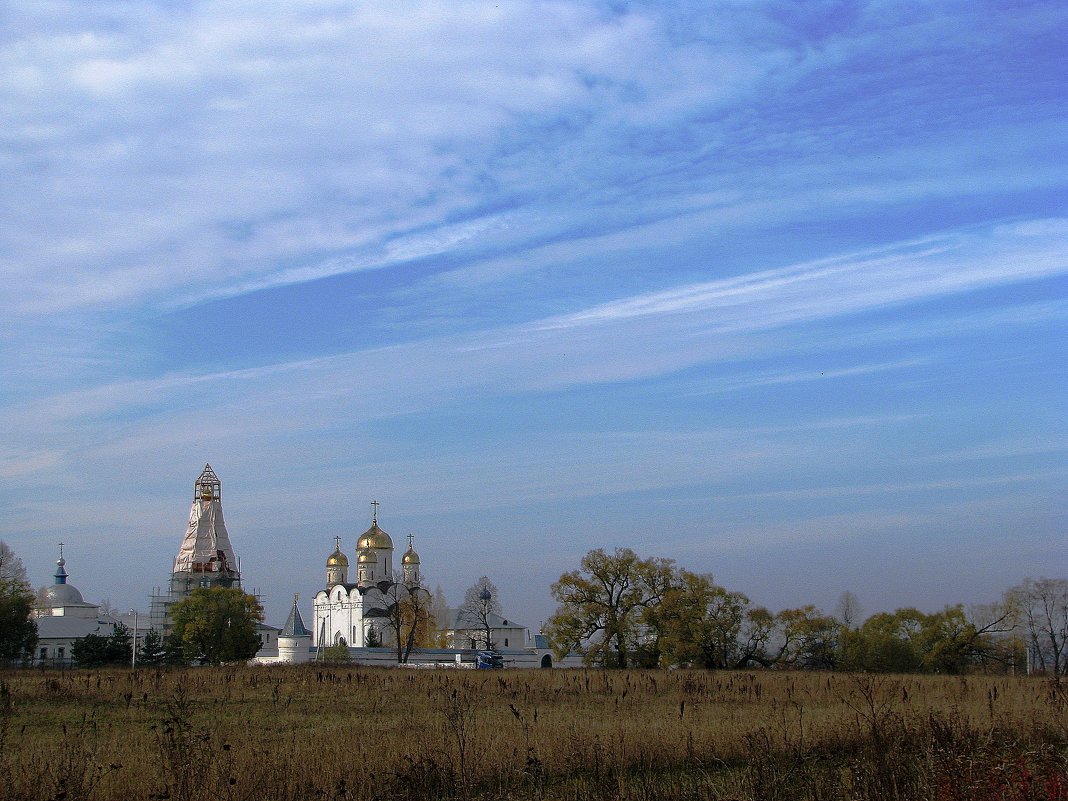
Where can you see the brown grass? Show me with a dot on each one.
(318, 732)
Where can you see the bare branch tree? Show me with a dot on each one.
(1042, 605)
(849, 611)
(480, 604)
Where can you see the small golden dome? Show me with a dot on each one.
(410, 557)
(367, 556)
(337, 559)
(374, 537)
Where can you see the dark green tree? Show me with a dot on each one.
(173, 652)
(217, 624)
(99, 650)
(119, 647)
(151, 652)
(18, 631)
(88, 651)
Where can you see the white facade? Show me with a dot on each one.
(464, 632)
(339, 617)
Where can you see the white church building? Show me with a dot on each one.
(343, 611)
(63, 616)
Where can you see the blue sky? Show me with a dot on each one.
(777, 290)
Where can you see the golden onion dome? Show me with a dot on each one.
(367, 556)
(337, 559)
(374, 537)
(410, 557)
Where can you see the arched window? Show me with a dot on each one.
(547, 661)
(505, 642)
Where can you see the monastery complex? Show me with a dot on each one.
(349, 611)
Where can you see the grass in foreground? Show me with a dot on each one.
(316, 732)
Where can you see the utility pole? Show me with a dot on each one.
(133, 652)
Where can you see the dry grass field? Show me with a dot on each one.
(317, 732)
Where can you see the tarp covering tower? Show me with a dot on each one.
(206, 557)
(206, 546)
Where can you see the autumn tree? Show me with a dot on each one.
(954, 642)
(698, 621)
(420, 625)
(217, 624)
(405, 608)
(602, 604)
(757, 643)
(908, 640)
(18, 631)
(807, 638)
(885, 643)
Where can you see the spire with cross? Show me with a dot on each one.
(410, 538)
(374, 513)
(337, 543)
(61, 571)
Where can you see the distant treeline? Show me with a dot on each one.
(621, 610)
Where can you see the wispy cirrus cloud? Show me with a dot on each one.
(908, 272)
(667, 331)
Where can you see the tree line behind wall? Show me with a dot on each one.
(620, 610)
